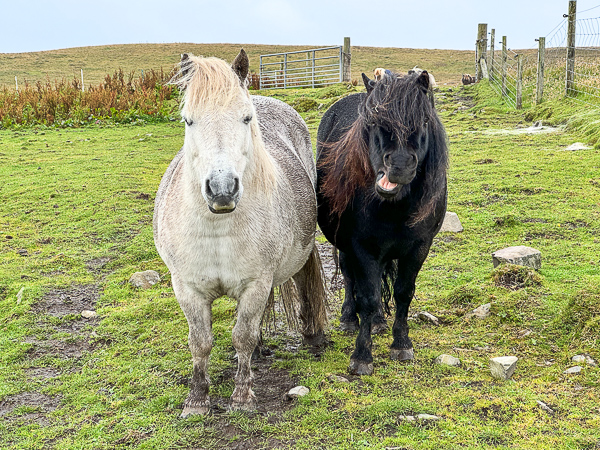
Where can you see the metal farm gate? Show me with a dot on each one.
(305, 68)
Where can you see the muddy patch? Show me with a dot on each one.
(96, 265)
(40, 404)
(42, 373)
(57, 348)
(62, 302)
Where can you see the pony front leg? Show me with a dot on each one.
(367, 286)
(197, 310)
(246, 334)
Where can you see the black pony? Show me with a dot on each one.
(381, 162)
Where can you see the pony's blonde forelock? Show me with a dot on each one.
(208, 83)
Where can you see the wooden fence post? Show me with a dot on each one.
(570, 74)
(540, 70)
(491, 58)
(519, 95)
(347, 64)
(504, 57)
(481, 48)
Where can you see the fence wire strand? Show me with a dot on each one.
(586, 72)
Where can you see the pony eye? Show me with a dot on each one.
(247, 119)
(189, 122)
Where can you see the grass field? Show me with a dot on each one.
(446, 65)
(75, 223)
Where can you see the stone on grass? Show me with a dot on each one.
(451, 223)
(503, 367)
(519, 255)
(590, 361)
(447, 360)
(585, 358)
(545, 407)
(87, 314)
(298, 391)
(577, 146)
(573, 370)
(427, 417)
(338, 379)
(481, 312)
(407, 418)
(20, 295)
(427, 317)
(145, 279)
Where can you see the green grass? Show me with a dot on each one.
(73, 196)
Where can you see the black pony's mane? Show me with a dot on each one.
(400, 105)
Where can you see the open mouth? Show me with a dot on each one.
(385, 187)
(217, 208)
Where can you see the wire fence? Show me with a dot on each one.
(545, 73)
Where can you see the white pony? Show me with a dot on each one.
(235, 215)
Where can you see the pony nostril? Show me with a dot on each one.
(208, 189)
(236, 185)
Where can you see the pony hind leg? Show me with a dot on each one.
(349, 319)
(246, 335)
(313, 300)
(197, 310)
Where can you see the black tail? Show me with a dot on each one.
(390, 273)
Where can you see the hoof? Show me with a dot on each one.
(403, 354)
(199, 409)
(349, 327)
(315, 340)
(379, 328)
(360, 368)
(243, 406)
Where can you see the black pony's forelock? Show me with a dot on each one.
(398, 104)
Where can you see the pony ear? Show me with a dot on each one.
(369, 84)
(241, 65)
(184, 64)
(423, 80)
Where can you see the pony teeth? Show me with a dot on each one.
(386, 184)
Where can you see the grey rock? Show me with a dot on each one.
(427, 317)
(545, 407)
(144, 280)
(427, 417)
(447, 360)
(407, 418)
(87, 314)
(20, 295)
(578, 359)
(298, 391)
(590, 361)
(503, 367)
(481, 312)
(573, 370)
(338, 379)
(451, 223)
(577, 146)
(519, 255)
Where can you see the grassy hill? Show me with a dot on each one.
(446, 65)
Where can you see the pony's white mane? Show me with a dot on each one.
(210, 84)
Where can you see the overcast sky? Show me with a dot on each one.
(35, 25)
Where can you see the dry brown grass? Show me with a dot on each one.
(446, 65)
